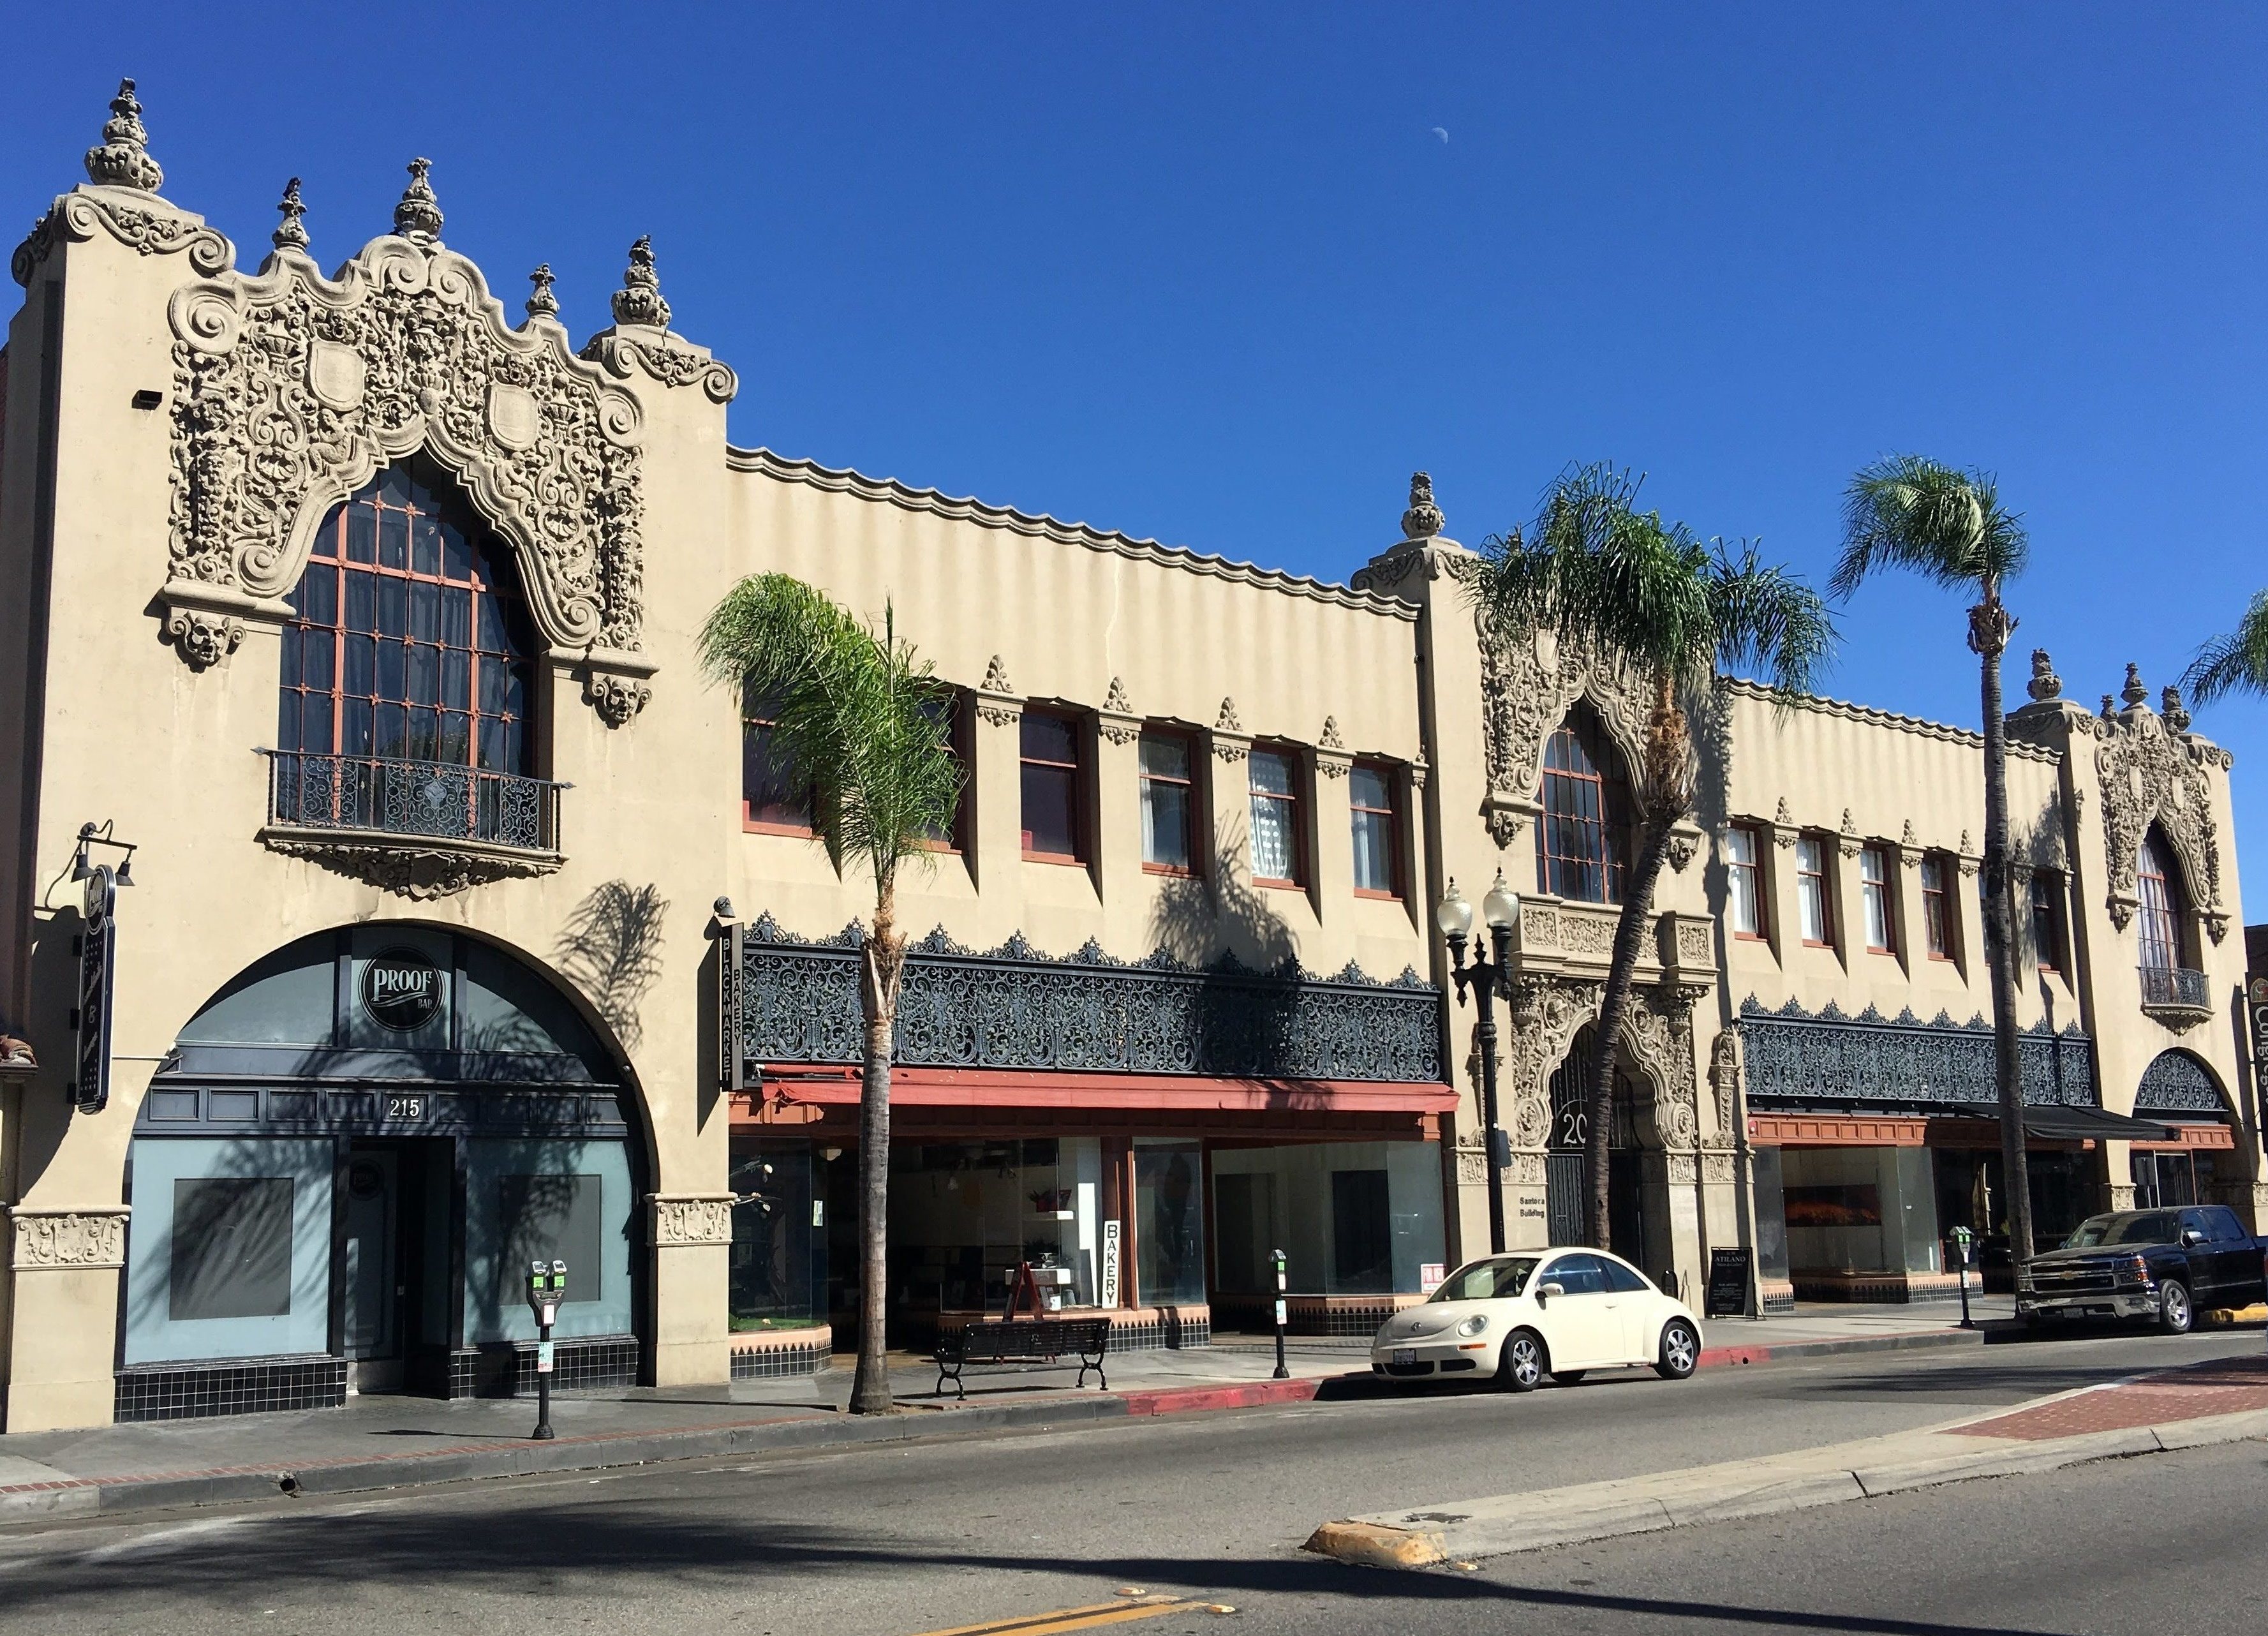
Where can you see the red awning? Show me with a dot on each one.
(985, 1088)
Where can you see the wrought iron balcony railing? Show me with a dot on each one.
(2176, 987)
(428, 801)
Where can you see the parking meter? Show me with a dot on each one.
(1282, 1373)
(1963, 1238)
(547, 1288)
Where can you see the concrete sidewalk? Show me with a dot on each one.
(2224, 1400)
(392, 1442)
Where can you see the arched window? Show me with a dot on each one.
(408, 640)
(1581, 838)
(2158, 885)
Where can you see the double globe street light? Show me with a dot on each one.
(1501, 911)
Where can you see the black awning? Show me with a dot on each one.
(2090, 1124)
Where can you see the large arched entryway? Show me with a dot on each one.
(342, 1171)
(1568, 1182)
(2202, 1161)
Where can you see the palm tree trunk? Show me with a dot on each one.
(1989, 627)
(882, 961)
(1630, 933)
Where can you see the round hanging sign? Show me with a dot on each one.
(400, 989)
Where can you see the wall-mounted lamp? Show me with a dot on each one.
(91, 835)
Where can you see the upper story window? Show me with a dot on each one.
(408, 640)
(1580, 839)
(1377, 831)
(2047, 919)
(774, 798)
(1937, 905)
(1744, 886)
(1168, 803)
(947, 707)
(2158, 885)
(1054, 821)
(1874, 890)
(1276, 850)
(1814, 908)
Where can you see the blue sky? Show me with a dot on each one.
(1213, 274)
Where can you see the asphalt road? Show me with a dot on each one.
(892, 1543)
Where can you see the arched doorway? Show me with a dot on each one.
(343, 1168)
(2203, 1160)
(1566, 1182)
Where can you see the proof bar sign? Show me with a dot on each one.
(1111, 1232)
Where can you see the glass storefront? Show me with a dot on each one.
(558, 1201)
(778, 1276)
(1352, 1218)
(1852, 1209)
(1168, 1223)
(965, 1215)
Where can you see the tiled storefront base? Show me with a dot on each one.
(1311, 1315)
(1778, 1295)
(1887, 1288)
(507, 1368)
(188, 1391)
(778, 1354)
(1132, 1328)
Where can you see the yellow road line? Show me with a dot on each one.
(1065, 1619)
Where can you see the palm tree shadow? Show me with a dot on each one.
(611, 949)
(1248, 997)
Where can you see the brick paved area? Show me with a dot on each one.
(2225, 1386)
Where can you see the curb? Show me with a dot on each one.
(1914, 1340)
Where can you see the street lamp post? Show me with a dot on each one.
(1500, 911)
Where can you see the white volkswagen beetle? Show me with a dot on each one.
(1555, 1312)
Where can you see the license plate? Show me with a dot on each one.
(1405, 1354)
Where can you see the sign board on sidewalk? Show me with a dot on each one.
(1728, 1283)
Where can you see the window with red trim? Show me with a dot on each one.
(1874, 891)
(775, 799)
(1744, 880)
(1169, 802)
(2160, 922)
(1276, 857)
(1581, 835)
(1054, 827)
(407, 639)
(1813, 903)
(1937, 905)
(948, 708)
(1377, 831)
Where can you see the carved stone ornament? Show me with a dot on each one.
(1724, 1077)
(617, 698)
(1783, 825)
(1114, 698)
(996, 677)
(540, 302)
(419, 873)
(123, 159)
(1226, 721)
(1116, 720)
(1331, 738)
(203, 636)
(997, 700)
(672, 362)
(142, 222)
(1546, 1015)
(2044, 684)
(291, 233)
(291, 390)
(2151, 774)
(1846, 840)
(418, 216)
(1423, 519)
(68, 1240)
(691, 1221)
(1684, 841)
(639, 299)
(1528, 682)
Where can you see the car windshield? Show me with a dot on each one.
(2151, 1227)
(1496, 1278)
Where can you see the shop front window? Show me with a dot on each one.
(778, 1270)
(1169, 1223)
(1352, 1218)
(965, 1216)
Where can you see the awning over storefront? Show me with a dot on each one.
(952, 1087)
(2090, 1124)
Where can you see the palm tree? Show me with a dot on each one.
(1599, 572)
(2236, 663)
(1949, 527)
(854, 713)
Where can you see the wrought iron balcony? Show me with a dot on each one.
(2176, 995)
(419, 826)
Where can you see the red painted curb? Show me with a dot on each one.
(1186, 1399)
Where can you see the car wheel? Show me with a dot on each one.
(1680, 1351)
(2175, 1313)
(1569, 1377)
(1522, 1364)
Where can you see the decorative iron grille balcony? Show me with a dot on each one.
(2175, 988)
(432, 802)
(1797, 1059)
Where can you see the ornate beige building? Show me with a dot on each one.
(389, 901)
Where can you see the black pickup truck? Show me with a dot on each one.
(2166, 1265)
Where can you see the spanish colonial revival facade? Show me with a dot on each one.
(388, 901)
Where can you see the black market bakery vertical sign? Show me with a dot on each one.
(97, 970)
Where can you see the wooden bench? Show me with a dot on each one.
(1046, 1342)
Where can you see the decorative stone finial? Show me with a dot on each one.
(2133, 692)
(2175, 713)
(2108, 712)
(123, 159)
(2044, 684)
(418, 216)
(1423, 520)
(639, 299)
(542, 303)
(290, 233)
(1226, 721)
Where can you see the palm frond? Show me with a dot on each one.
(854, 710)
(2232, 664)
(1949, 525)
(1767, 618)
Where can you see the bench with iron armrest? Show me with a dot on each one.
(1044, 1341)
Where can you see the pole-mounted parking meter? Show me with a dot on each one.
(1282, 1373)
(1963, 1238)
(547, 1287)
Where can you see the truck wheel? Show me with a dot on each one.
(2174, 1314)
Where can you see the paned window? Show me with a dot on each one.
(1811, 900)
(775, 798)
(1275, 819)
(1937, 905)
(1371, 792)
(1053, 827)
(947, 708)
(1874, 888)
(1744, 882)
(1168, 804)
(2159, 921)
(2047, 919)
(407, 639)
(1579, 841)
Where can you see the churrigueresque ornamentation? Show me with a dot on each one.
(123, 159)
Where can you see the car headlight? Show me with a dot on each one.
(2133, 1270)
(1473, 1325)
(2024, 1280)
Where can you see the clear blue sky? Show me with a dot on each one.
(1214, 274)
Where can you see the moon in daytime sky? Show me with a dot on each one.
(1443, 134)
